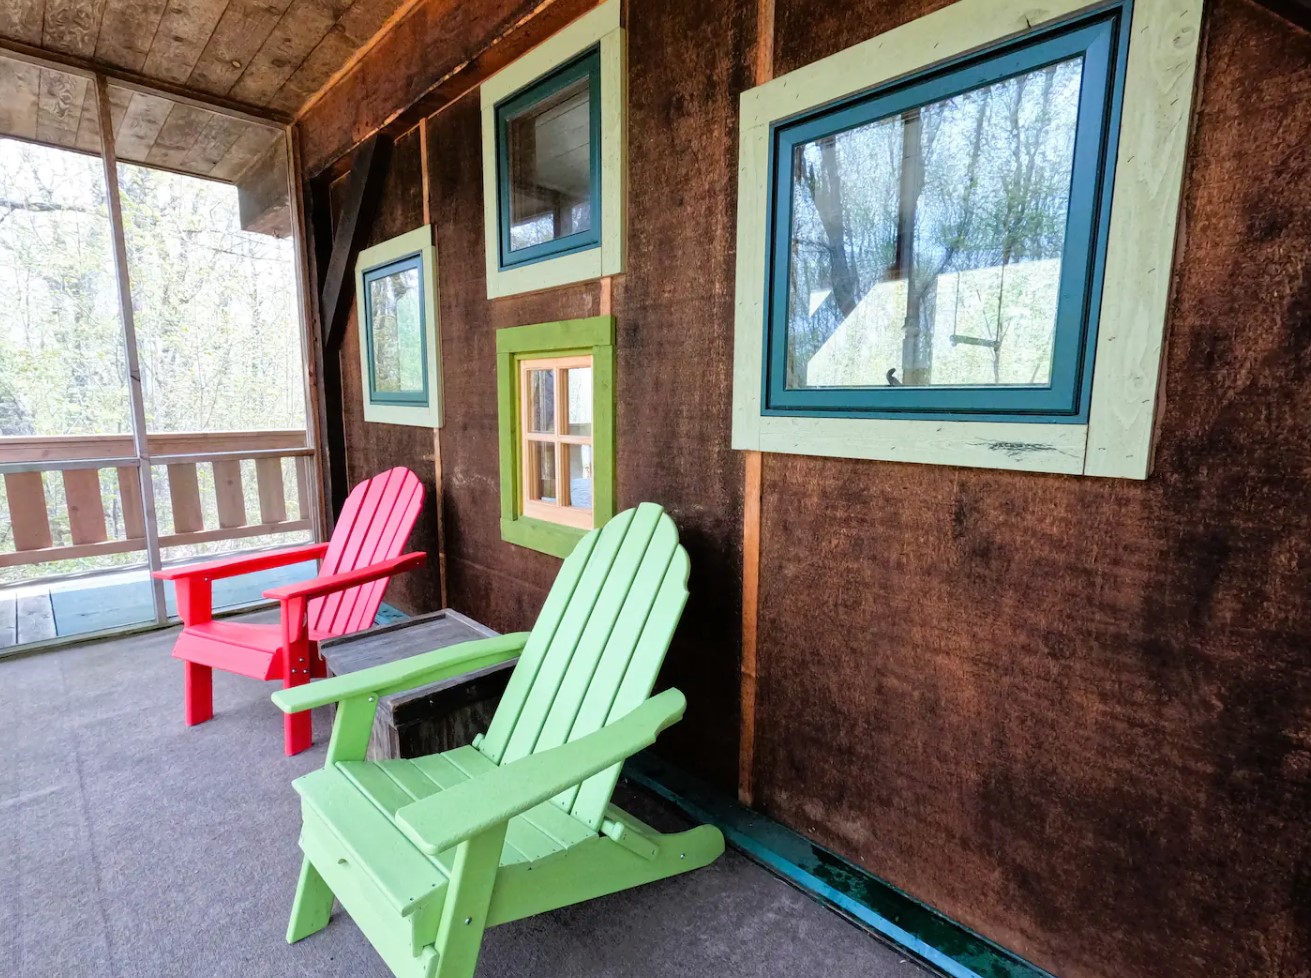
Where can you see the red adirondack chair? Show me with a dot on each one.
(364, 553)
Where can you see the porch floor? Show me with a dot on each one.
(135, 846)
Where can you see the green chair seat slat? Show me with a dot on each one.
(374, 844)
(639, 679)
(530, 659)
(558, 655)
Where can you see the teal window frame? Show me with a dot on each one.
(369, 276)
(586, 65)
(1102, 38)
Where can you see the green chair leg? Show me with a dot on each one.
(464, 915)
(313, 904)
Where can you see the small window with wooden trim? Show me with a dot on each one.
(556, 392)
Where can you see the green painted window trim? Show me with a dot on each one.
(592, 337)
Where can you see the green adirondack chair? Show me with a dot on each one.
(425, 854)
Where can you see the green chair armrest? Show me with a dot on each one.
(394, 677)
(469, 808)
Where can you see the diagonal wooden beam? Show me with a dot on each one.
(368, 170)
(363, 194)
(1297, 12)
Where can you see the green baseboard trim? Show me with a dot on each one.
(868, 901)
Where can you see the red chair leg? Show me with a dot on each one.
(298, 732)
(197, 692)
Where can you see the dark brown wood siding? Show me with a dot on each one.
(1074, 714)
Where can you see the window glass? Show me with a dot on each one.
(396, 331)
(556, 438)
(926, 247)
(937, 244)
(580, 475)
(578, 382)
(549, 150)
(541, 408)
(541, 481)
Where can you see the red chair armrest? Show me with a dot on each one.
(246, 564)
(320, 586)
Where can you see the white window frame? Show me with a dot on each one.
(1117, 439)
(599, 27)
(420, 415)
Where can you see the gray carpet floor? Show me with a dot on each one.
(133, 846)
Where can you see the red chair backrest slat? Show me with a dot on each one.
(374, 525)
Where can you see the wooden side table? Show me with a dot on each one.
(433, 718)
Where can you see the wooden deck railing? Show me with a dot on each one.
(79, 461)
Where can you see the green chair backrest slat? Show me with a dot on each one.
(597, 646)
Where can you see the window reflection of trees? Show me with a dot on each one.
(951, 216)
(398, 356)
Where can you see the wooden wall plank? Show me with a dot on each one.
(237, 38)
(22, 20)
(184, 492)
(126, 32)
(26, 495)
(71, 26)
(272, 492)
(20, 92)
(180, 37)
(129, 501)
(230, 493)
(304, 25)
(59, 107)
(86, 507)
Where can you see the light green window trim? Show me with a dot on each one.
(422, 409)
(592, 337)
(1116, 440)
(598, 29)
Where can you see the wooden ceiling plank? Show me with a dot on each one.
(183, 32)
(240, 34)
(59, 107)
(88, 128)
(300, 30)
(212, 144)
(126, 31)
(71, 26)
(354, 32)
(250, 145)
(22, 20)
(178, 134)
(136, 133)
(20, 89)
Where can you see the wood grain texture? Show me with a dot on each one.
(71, 26)
(22, 20)
(238, 36)
(180, 37)
(439, 41)
(371, 448)
(86, 508)
(21, 84)
(127, 31)
(296, 34)
(1074, 713)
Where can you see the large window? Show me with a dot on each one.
(555, 383)
(954, 238)
(554, 159)
(936, 245)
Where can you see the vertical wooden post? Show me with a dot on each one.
(140, 440)
(753, 474)
(439, 496)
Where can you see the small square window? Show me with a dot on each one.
(555, 404)
(937, 245)
(555, 383)
(396, 306)
(548, 167)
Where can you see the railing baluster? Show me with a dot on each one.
(184, 491)
(272, 495)
(228, 491)
(27, 510)
(129, 498)
(86, 509)
(302, 487)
